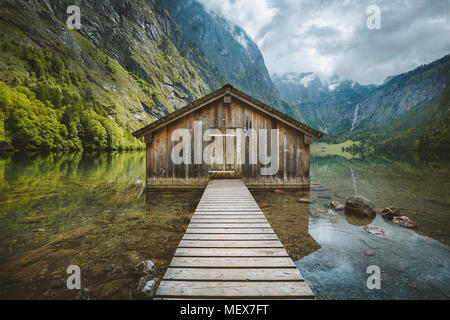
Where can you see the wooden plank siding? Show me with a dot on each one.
(240, 259)
(293, 155)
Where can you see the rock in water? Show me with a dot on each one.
(148, 287)
(336, 205)
(369, 243)
(32, 219)
(369, 253)
(304, 200)
(360, 206)
(374, 230)
(145, 267)
(404, 221)
(391, 212)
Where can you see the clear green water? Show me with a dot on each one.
(89, 210)
(413, 264)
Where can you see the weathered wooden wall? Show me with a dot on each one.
(293, 156)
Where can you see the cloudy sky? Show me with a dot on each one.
(331, 36)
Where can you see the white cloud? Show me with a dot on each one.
(251, 15)
(330, 37)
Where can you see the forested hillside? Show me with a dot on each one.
(129, 64)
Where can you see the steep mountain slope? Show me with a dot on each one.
(318, 103)
(436, 135)
(390, 116)
(228, 47)
(130, 63)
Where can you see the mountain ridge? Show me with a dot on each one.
(128, 65)
(389, 116)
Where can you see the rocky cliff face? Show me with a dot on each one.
(236, 57)
(131, 62)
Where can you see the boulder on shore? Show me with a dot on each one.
(360, 206)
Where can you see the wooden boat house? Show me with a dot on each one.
(231, 135)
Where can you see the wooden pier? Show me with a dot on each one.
(230, 251)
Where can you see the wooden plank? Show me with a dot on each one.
(228, 216)
(212, 221)
(203, 274)
(230, 225)
(212, 230)
(237, 210)
(234, 289)
(233, 262)
(230, 237)
(228, 212)
(230, 244)
(230, 252)
(228, 206)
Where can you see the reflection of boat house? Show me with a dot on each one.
(233, 127)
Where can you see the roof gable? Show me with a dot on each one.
(227, 90)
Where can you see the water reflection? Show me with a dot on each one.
(413, 266)
(88, 210)
(332, 248)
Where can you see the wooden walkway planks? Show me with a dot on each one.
(230, 251)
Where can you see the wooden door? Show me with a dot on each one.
(223, 155)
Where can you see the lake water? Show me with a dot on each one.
(90, 210)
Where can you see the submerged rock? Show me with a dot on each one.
(147, 286)
(391, 212)
(404, 221)
(360, 206)
(336, 205)
(357, 220)
(115, 289)
(145, 267)
(374, 230)
(32, 219)
(369, 253)
(369, 243)
(395, 216)
(317, 212)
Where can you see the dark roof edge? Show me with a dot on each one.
(217, 94)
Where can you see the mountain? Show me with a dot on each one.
(394, 115)
(320, 103)
(129, 64)
(227, 47)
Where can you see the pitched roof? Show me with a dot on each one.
(217, 94)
